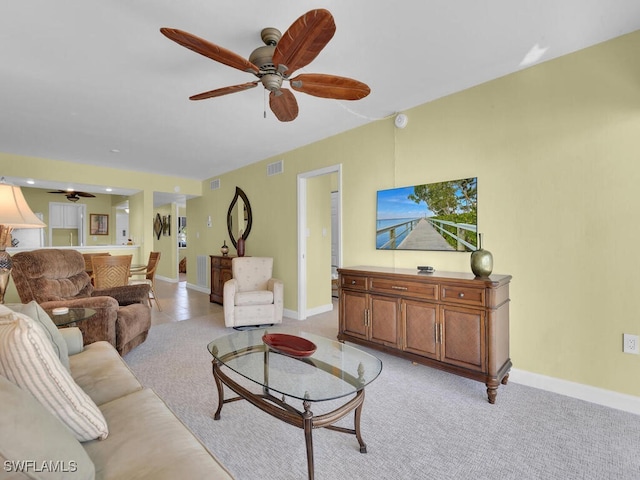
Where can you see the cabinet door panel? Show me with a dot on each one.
(384, 320)
(463, 339)
(420, 320)
(352, 312)
(71, 214)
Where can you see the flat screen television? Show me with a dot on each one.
(439, 216)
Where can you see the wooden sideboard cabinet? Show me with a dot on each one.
(220, 273)
(451, 321)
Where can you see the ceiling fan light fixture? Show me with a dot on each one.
(262, 57)
(271, 82)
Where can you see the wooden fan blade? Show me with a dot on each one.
(223, 91)
(74, 192)
(209, 50)
(330, 86)
(303, 40)
(283, 105)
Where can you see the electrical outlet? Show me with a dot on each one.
(630, 344)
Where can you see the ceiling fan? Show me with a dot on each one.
(74, 195)
(275, 62)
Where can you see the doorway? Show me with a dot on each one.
(304, 216)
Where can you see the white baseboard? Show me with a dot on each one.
(198, 288)
(167, 279)
(312, 311)
(320, 309)
(600, 396)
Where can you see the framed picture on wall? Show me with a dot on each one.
(98, 224)
(436, 216)
(166, 225)
(157, 226)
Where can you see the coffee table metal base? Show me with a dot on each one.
(303, 419)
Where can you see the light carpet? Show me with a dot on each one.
(417, 422)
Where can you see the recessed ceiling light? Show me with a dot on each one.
(109, 189)
(31, 182)
(115, 150)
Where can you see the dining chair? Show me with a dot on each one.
(149, 272)
(111, 270)
(88, 265)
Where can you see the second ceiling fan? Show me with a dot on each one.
(74, 195)
(275, 62)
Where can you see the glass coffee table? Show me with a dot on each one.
(72, 317)
(333, 371)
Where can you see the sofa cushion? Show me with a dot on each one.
(102, 374)
(29, 433)
(148, 442)
(27, 359)
(259, 297)
(73, 338)
(252, 273)
(36, 312)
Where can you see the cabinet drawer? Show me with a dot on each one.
(462, 295)
(219, 261)
(354, 282)
(406, 288)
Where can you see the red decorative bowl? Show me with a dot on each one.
(289, 344)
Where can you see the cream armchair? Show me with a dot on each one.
(252, 296)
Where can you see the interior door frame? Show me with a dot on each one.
(302, 231)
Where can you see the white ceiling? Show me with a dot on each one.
(95, 82)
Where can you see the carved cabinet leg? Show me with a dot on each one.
(492, 392)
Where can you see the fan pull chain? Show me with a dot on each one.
(264, 96)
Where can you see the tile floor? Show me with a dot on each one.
(180, 303)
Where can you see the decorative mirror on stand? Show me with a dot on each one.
(239, 217)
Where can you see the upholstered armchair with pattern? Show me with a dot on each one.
(57, 278)
(252, 296)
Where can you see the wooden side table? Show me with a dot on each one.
(220, 273)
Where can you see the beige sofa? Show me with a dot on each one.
(145, 439)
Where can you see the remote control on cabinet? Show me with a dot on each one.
(426, 269)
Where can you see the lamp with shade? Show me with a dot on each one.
(14, 213)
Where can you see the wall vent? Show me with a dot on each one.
(275, 168)
(201, 270)
(215, 184)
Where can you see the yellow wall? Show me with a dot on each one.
(141, 210)
(39, 199)
(167, 244)
(554, 148)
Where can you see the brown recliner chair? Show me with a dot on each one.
(57, 278)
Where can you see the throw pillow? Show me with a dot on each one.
(34, 442)
(36, 312)
(27, 359)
